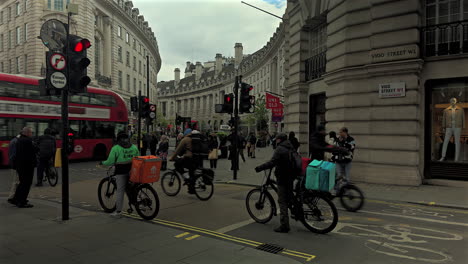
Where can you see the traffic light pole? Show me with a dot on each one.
(236, 128)
(139, 121)
(147, 92)
(65, 171)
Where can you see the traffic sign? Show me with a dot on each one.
(152, 115)
(153, 108)
(53, 34)
(58, 80)
(57, 61)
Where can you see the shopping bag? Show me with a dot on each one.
(58, 158)
(145, 169)
(213, 154)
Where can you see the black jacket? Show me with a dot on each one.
(153, 142)
(294, 142)
(213, 144)
(46, 145)
(163, 147)
(253, 140)
(282, 161)
(318, 147)
(26, 152)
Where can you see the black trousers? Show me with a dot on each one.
(26, 174)
(188, 163)
(213, 163)
(285, 200)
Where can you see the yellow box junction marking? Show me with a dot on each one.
(307, 257)
(182, 235)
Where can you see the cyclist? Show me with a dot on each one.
(184, 149)
(121, 156)
(46, 144)
(282, 161)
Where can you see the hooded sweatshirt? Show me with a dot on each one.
(282, 161)
(121, 155)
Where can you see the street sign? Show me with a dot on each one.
(53, 34)
(58, 80)
(57, 61)
(153, 108)
(152, 115)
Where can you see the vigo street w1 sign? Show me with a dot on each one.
(58, 80)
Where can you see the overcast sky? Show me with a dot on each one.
(195, 30)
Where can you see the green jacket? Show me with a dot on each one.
(121, 156)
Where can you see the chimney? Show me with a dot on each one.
(188, 71)
(238, 49)
(198, 70)
(219, 63)
(177, 75)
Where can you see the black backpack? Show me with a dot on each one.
(296, 163)
(200, 144)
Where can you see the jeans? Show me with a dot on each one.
(343, 170)
(122, 180)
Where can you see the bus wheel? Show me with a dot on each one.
(100, 152)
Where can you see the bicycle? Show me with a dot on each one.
(204, 187)
(312, 208)
(139, 196)
(51, 174)
(351, 197)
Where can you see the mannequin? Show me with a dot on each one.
(453, 121)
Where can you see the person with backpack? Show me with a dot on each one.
(282, 161)
(343, 160)
(121, 156)
(294, 141)
(46, 144)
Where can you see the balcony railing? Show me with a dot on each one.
(445, 39)
(103, 80)
(315, 66)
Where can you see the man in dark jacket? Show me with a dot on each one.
(46, 145)
(282, 161)
(318, 145)
(25, 162)
(292, 138)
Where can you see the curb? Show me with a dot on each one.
(433, 204)
(237, 183)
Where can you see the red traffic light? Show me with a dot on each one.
(146, 100)
(70, 134)
(78, 47)
(251, 88)
(228, 99)
(82, 45)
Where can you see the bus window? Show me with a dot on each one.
(105, 100)
(41, 127)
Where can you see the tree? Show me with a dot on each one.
(261, 113)
(161, 120)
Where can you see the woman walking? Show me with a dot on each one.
(213, 146)
(163, 150)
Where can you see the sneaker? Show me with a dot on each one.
(12, 201)
(116, 215)
(282, 229)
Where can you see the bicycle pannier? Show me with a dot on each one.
(145, 169)
(320, 176)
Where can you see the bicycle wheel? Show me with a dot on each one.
(203, 190)
(261, 206)
(107, 195)
(170, 183)
(147, 202)
(351, 197)
(52, 176)
(319, 214)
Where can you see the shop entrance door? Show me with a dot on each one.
(316, 113)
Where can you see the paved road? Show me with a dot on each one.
(383, 232)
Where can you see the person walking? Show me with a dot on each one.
(121, 156)
(47, 146)
(25, 162)
(163, 151)
(13, 172)
(343, 160)
(241, 145)
(213, 146)
(282, 161)
(153, 143)
(294, 141)
(253, 142)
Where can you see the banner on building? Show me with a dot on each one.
(277, 113)
(272, 101)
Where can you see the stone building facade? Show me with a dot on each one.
(204, 85)
(386, 69)
(121, 41)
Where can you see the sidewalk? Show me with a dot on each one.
(434, 195)
(36, 236)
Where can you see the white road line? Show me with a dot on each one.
(235, 226)
(416, 218)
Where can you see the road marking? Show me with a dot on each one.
(416, 218)
(192, 237)
(344, 218)
(235, 226)
(373, 219)
(419, 206)
(305, 256)
(182, 235)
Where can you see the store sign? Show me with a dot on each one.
(392, 90)
(272, 101)
(394, 53)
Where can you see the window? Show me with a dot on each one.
(2, 67)
(10, 39)
(9, 13)
(18, 35)
(134, 85)
(1, 17)
(119, 31)
(17, 65)
(1, 42)
(144, 70)
(96, 20)
(26, 4)
(120, 80)
(128, 59)
(49, 4)
(25, 32)
(140, 85)
(128, 82)
(58, 5)
(139, 67)
(134, 43)
(119, 53)
(18, 9)
(140, 49)
(26, 64)
(127, 37)
(134, 63)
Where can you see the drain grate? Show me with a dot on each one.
(270, 248)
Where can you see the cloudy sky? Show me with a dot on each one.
(195, 30)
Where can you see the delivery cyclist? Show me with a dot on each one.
(121, 156)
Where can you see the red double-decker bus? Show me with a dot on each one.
(95, 117)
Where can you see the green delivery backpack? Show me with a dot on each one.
(320, 176)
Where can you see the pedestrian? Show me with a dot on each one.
(145, 144)
(213, 146)
(179, 138)
(318, 145)
(25, 162)
(253, 142)
(153, 143)
(331, 141)
(241, 145)
(46, 145)
(282, 162)
(343, 160)
(163, 151)
(232, 152)
(13, 172)
(273, 140)
(294, 141)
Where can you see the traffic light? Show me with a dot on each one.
(177, 119)
(245, 102)
(134, 104)
(227, 106)
(70, 146)
(151, 114)
(145, 106)
(78, 62)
